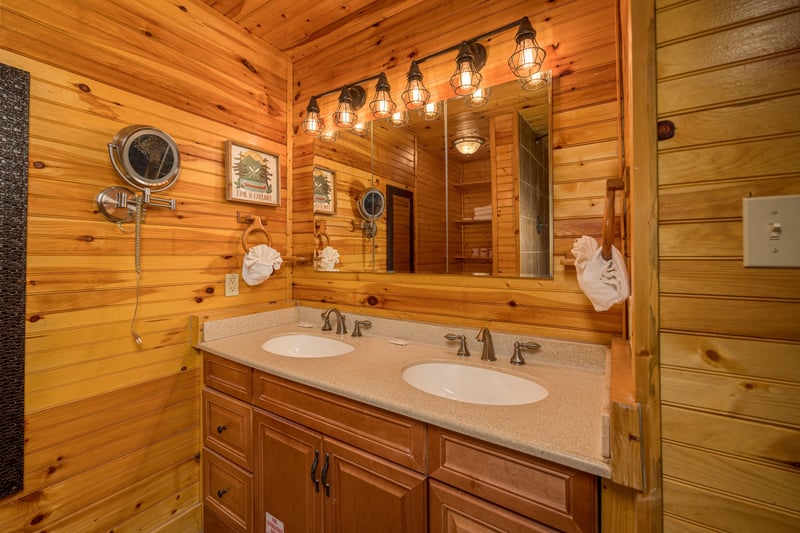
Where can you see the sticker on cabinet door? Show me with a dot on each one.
(273, 524)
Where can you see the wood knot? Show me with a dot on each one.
(711, 355)
(748, 386)
(209, 290)
(198, 300)
(85, 88)
(87, 238)
(34, 318)
(38, 164)
(512, 303)
(249, 67)
(183, 8)
(38, 518)
(221, 107)
(147, 33)
(372, 300)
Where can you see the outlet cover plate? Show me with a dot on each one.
(232, 284)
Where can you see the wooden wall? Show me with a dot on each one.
(112, 428)
(581, 42)
(730, 336)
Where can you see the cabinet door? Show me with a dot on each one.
(227, 493)
(227, 427)
(285, 457)
(454, 511)
(367, 493)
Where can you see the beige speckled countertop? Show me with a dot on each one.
(568, 427)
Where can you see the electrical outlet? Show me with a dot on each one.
(231, 284)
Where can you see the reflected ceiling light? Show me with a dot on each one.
(351, 99)
(478, 98)
(468, 145)
(382, 105)
(329, 135)
(431, 111)
(528, 56)
(398, 119)
(313, 124)
(361, 128)
(540, 80)
(416, 95)
(471, 58)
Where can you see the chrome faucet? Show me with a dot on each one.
(485, 336)
(341, 327)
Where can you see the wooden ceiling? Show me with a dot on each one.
(297, 27)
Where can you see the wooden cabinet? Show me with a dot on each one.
(303, 459)
(558, 496)
(311, 483)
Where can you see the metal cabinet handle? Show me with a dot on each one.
(220, 429)
(325, 475)
(221, 493)
(314, 471)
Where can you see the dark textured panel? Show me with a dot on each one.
(14, 86)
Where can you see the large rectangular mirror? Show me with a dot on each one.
(447, 211)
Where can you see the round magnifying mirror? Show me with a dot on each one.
(371, 204)
(145, 157)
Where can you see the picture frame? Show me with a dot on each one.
(253, 175)
(324, 181)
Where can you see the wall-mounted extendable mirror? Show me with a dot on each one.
(147, 159)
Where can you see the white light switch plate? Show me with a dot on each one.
(771, 231)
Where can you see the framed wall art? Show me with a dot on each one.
(324, 191)
(253, 175)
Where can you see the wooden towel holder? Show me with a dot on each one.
(612, 185)
(255, 225)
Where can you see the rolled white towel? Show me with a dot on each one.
(605, 283)
(259, 264)
(328, 257)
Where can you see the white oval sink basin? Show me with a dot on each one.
(472, 384)
(301, 345)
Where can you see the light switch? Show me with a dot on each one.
(771, 231)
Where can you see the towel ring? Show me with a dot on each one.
(319, 236)
(256, 225)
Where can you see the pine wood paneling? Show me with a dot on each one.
(112, 427)
(730, 345)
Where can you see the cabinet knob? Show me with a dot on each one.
(221, 493)
(220, 429)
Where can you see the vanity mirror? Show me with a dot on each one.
(469, 192)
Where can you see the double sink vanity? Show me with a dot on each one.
(309, 430)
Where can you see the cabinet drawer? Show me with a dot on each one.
(454, 511)
(556, 495)
(228, 491)
(394, 437)
(227, 376)
(228, 428)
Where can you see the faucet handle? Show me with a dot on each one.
(357, 327)
(326, 325)
(517, 358)
(463, 351)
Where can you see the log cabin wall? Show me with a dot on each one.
(730, 341)
(112, 428)
(581, 42)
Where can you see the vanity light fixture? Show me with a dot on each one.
(528, 56)
(468, 144)
(351, 99)
(540, 80)
(416, 95)
(478, 98)
(313, 124)
(471, 58)
(525, 62)
(382, 105)
(431, 111)
(398, 118)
